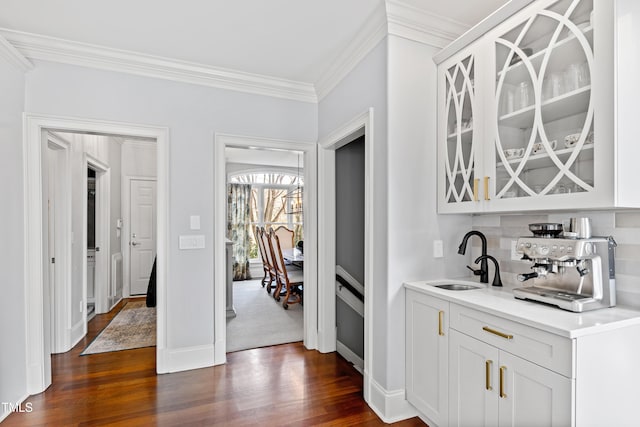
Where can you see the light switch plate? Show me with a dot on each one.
(194, 222)
(438, 249)
(192, 242)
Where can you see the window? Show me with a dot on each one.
(269, 207)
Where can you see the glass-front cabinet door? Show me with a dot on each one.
(544, 131)
(458, 135)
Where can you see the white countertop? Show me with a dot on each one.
(501, 302)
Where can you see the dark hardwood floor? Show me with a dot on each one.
(274, 386)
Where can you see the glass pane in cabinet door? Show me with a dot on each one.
(545, 135)
(459, 144)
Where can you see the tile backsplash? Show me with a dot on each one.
(624, 226)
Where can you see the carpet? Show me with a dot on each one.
(133, 327)
(260, 320)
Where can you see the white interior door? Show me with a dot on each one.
(142, 242)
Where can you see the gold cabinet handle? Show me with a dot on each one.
(502, 371)
(498, 333)
(476, 184)
(440, 323)
(486, 188)
(487, 382)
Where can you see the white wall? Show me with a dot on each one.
(413, 221)
(193, 114)
(365, 87)
(13, 382)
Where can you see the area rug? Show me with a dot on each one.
(133, 327)
(260, 320)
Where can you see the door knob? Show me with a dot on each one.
(134, 243)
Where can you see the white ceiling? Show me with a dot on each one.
(288, 39)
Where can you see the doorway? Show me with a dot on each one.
(310, 234)
(265, 190)
(36, 126)
(359, 126)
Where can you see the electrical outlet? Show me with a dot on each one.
(515, 256)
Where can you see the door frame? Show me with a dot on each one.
(60, 299)
(309, 150)
(126, 229)
(37, 361)
(358, 126)
(103, 228)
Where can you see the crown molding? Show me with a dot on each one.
(413, 23)
(52, 49)
(11, 54)
(373, 31)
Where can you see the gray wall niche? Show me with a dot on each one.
(350, 237)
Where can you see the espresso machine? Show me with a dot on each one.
(571, 270)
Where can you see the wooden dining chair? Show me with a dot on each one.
(291, 280)
(268, 273)
(286, 237)
(271, 264)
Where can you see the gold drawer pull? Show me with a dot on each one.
(487, 366)
(486, 188)
(498, 333)
(476, 184)
(502, 393)
(440, 323)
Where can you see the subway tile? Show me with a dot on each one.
(521, 220)
(627, 236)
(485, 221)
(629, 219)
(627, 283)
(628, 267)
(628, 299)
(629, 252)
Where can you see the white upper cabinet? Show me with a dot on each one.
(527, 119)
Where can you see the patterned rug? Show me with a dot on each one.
(133, 327)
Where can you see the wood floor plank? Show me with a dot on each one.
(283, 385)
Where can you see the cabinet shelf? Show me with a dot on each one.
(465, 134)
(542, 160)
(564, 52)
(565, 105)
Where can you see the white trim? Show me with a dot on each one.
(53, 49)
(372, 32)
(481, 29)
(61, 302)
(390, 406)
(115, 258)
(37, 362)
(413, 23)
(77, 332)
(350, 299)
(103, 215)
(361, 124)
(125, 185)
(13, 56)
(349, 278)
(351, 357)
(221, 141)
(187, 358)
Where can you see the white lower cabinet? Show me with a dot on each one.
(427, 355)
(491, 387)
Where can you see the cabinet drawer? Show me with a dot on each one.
(543, 348)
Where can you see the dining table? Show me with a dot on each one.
(293, 256)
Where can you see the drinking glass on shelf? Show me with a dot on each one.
(556, 86)
(508, 102)
(524, 95)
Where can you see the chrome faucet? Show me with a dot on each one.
(483, 272)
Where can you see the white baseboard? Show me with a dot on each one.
(352, 357)
(76, 333)
(390, 406)
(185, 359)
(5, 412)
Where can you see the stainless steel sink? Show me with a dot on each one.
(456, 286)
